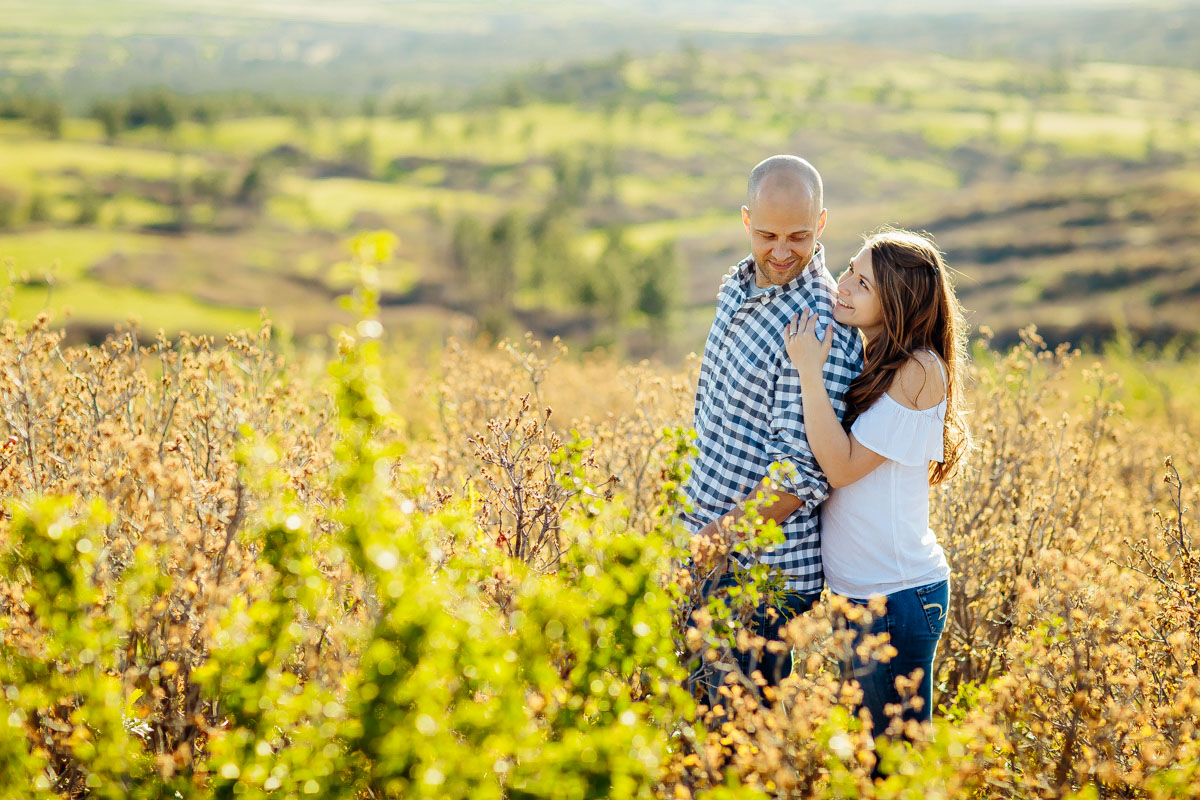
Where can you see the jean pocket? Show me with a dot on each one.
(935, 601)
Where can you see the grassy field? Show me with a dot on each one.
(325, 576)
(1063, 193)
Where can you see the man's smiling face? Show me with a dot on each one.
(783, 221)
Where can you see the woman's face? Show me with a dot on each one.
(858, 296)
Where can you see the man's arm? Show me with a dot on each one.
(778, 510)
(802, 477)
(842, 457)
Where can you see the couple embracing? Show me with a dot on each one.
(846, 397)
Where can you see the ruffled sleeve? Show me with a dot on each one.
(909, 436)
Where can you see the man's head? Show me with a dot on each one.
(784, 214)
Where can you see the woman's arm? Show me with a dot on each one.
(841, 456)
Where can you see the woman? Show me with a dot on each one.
(906, 432)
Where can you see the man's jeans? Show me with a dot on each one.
(709, 676)
(914, 620)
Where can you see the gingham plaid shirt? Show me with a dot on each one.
(749, 415)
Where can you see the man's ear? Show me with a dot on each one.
(746, 217)
(821, 224)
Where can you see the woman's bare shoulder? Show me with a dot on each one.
(919, 382)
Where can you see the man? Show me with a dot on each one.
(749, 419)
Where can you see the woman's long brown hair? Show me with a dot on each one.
(920, 312)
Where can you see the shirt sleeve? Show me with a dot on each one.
(799, 473)
(905, 435)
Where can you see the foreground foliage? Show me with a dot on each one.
(220, 576)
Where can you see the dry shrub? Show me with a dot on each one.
(350, 581)
(150, 429)
(1064, 660)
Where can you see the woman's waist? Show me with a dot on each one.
(860, 586)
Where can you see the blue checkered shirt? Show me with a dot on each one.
(749, 419)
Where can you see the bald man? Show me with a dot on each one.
(749, 419)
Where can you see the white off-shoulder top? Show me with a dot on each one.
(875, 535)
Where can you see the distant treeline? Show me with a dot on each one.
(282, 57)
(598, 83)
(164, 109)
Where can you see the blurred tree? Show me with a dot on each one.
(993, 125)
(468, 254)
(656, 277)
(358, 156)
(1031, 112)
(411, 107)
(38, 209)
(10, 201)
(46, 115)
(515, 94)
(611, 279)
(212, 185)
(110, 115)
(510, 249)
(1151, 145)
(553, 264)
(370, 111)
(304, 118)
(573, 177)
(180, 197)
(157, 108)
(90, 204)
(429, 123)
(206, 113)
(609, 169)
(258, 184)
(1183, 127)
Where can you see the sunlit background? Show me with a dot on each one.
(576, 168)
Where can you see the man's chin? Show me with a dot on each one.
(776, 278)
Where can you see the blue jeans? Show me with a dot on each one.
(774, 666)
(915, 619)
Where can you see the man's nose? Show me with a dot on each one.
(780, 250)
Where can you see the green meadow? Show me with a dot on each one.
(1063, 194)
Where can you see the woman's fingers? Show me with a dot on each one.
(803, 322)
(808, 320)
(793, 327)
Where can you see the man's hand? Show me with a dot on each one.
(712, 543)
